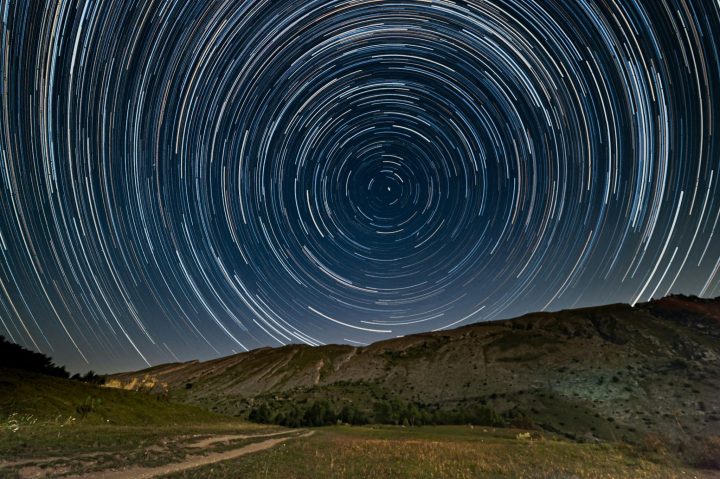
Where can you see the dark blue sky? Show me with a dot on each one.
(185, 180)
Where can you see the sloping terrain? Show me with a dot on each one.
(27, 397)
(58, 427)
(611, 372)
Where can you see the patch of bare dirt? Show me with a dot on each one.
(233, 437)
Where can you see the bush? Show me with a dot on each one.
(87, 406)
(519, 419)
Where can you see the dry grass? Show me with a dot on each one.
(425, 453)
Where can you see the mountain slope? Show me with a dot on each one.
(609, 372)
(32, 397)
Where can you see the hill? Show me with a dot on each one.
(34, 389)
(32, 397)
(639, 374)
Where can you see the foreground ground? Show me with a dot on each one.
(234, 449)
(70, 449)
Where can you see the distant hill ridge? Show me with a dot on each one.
(606, 372)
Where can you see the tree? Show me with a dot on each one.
(262, 414)
(320, 413)
(15, 356)
(347, 414)
(383, 413)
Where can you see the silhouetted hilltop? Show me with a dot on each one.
(15, 356)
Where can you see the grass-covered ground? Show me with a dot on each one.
(85, 449)
(57, 450)
(54, 427)
(36, 397)
(441, 452)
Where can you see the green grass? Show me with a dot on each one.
(76, 448)
(43, 416)
(38, 398)
(73, 438)
(333, 452)
(60, 427)
(438, 451)
(44, 420)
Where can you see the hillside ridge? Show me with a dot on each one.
(606, 372)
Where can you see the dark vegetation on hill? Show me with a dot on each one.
(14, 356)
(646, 375)
(35, 390)
(31, 398)
(394, 412)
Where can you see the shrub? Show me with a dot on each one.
(87, 406)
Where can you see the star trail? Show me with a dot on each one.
(184, 180)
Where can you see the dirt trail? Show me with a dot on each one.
(189, 463)
(34, 466)
(234, 437)
(37, 461)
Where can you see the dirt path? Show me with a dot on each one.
(36, 467)
(234, 437)
(35, 461)
(189, 463)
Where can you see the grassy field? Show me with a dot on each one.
(87, 450)
(39, 398)
(59, 449)
(51, 427)
(441, 452)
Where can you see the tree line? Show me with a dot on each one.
(322, 413)
(14, 356)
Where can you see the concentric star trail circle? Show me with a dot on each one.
(188, 179)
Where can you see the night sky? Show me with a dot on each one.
(188, 179)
